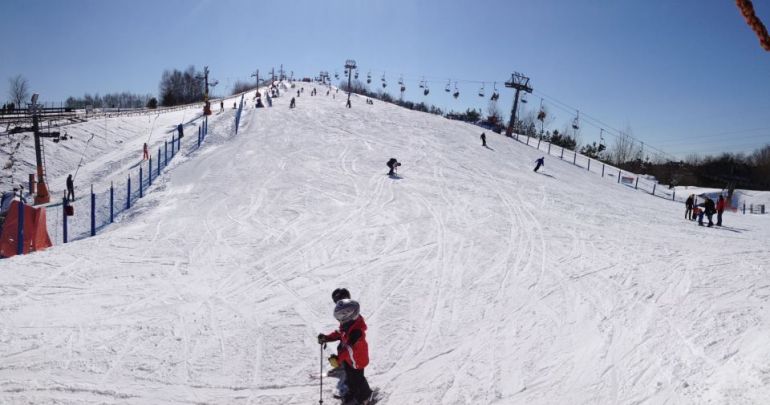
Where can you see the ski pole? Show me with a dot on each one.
(321, 387)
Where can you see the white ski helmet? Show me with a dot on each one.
(346, 310)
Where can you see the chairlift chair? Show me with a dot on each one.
(601, 140)
(401, 80)
(457, 92)
(481, 90)
(447, 86)
(524, 98)
(576, 122)
(369, 78)
(495, 94)
(426, 91)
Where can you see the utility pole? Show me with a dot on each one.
(518, 82)
(350, 64)
(280, 73)
(272, 76)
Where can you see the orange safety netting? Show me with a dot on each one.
(747, 9)
(35, 230)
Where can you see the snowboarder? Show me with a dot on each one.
(70, 188)
(708, 210)
(293, 103)
(688, 206)
(540, 162)
(720, 209)
(353, 353)
(393, 165)
(146, 152)
(180, 130)
(484, 140)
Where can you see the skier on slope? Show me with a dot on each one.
(339, 372)
(353, 353)
(688, 204)
(483, 139)
(540, 162)
(293, 103)
(393, 165)
(180, 129)
(708, 210)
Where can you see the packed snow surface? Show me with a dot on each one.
(482, 282)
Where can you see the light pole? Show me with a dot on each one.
(350, 64)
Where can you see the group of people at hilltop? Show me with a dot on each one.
(707, 208)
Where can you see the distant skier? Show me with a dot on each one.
(146, 152)
(353, 352)
(221, 105)
(180, 130)
(688, 204)
(292, 103)
(540, 162)
(483, 139)
(721, 203)
(297, 93)
(708, 210)
(393, 165)
(70, 188)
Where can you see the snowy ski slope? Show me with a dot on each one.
(482, 282)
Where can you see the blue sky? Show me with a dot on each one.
(685, 76)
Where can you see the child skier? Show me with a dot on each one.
(393, 165)
(353, 351)
(540, 162)
(293, 103)
(483, 139)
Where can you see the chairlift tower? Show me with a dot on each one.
(207, 105)
(256, 75)
(350, 64)
(518, 82)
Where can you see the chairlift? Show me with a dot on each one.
(403, 88)
(426, 91)
(601, 140)
(369, 78)
(336, 75)
(481, 90)
(457, 92)
(541, 114)
(355, 76)
(401, 80)
(495, 94)
(447, 85)
(422, 83)
(576, 122)
(524, 98)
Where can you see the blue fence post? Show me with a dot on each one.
(173, 142)
(636, 186)
(20, 229)
(618, 175)
(602, 169)
(112, 203)
(141, 182)
(574, 158)
(562, 153)
(589, 165)
(206, 129)
(744, 208)
(149, 173)
(673, 196)
(128, 199)
(64, 219)
(159, 161)
(165, 153)
(179, 144)
(653, 188)
(549, 148)
(93, 211)
(199, 136)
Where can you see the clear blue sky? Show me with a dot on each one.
(685, 76)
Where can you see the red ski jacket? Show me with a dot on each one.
(353, 348)
(721, 205)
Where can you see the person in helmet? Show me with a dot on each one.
(340, 294)
(353, 351)
(540, 162)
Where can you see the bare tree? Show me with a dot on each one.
(493, 113)
(18, 89)
(625, 148)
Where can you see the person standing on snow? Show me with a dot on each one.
(483, 139)
(353, 352)
(180, 130)
(721, 203)
(293, 103)
(708, 210)
(688, 206)
(540, 162)
(393, 165)
(70, 188)
(146, 152)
